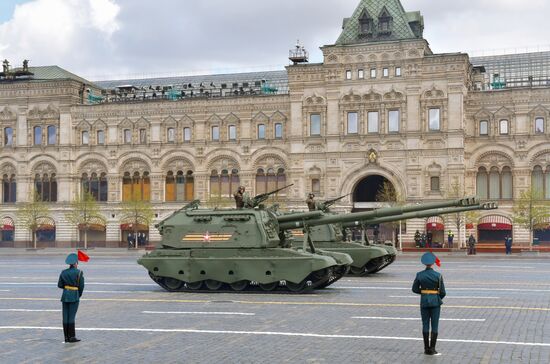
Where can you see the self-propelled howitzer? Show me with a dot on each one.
(325, 231)
(236, 250)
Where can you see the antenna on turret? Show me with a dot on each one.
(298, 54)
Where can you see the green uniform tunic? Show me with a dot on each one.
(430, 303)
(71, 280)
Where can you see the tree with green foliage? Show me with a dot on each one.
(388, 194)
(531, 210)
(30, 213)
(137, 213)
(83, 213)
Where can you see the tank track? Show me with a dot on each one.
(373, 266)
(315, 280)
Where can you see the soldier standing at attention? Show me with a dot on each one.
(429, 285)
(311, 202)
(71, 281)
(239, 197)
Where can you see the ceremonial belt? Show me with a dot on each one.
(71, 288)
(429, 291)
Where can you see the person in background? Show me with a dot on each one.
(429, 285)
(417, 239)
(450, 237)
(471, 245)
(508, 244)
(310, 201)
(71, 281)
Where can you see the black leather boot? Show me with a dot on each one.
(432, 344)
(427, 349)
(72, 334)
(66, 333)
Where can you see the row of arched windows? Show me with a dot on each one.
(497, 184)
(95, 185)
(46, 187)
(540, 181)
(179, 186)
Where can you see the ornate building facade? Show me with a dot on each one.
(382, 107)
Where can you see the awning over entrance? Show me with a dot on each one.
(131, 227)
(494, 222)
(7, 224)
(435, 223)
(45, 224)
(95, 224)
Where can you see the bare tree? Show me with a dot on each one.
(85, 212)
(137, 213)
(30, 213)
(530, 211)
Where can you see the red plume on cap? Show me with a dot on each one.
(83, 257)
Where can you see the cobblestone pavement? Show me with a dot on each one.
(497, 311)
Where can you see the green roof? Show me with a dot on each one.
(47, 73)
(400, 24)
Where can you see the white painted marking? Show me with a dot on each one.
(201, 313)
(454, 289)
(87, 291)
(87, 283)
(274, 333)
(4, 290)
(25, 310)
(413, 318)
(451, 297)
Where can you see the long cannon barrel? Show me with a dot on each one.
(428, 213)
(299, 219)
(258, 199)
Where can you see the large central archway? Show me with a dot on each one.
(369, 188)
(369, 193)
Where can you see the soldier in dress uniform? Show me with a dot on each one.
(239, 197)
(429, 284)
(71, 281)
(312, 206)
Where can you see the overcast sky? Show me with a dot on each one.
(112, 39)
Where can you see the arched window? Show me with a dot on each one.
(85, 137)
(10, 188)
(224, 184)
(271, 180)
(95, 185)
(46, 187)
(483, 127)
(481, 183)
(261, 181)
(179, 187)
(136, 187)
(547, 183)
(507, 185)
(494, 183)
(316, 185)
(100, 137)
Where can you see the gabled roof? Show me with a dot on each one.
(400, 24)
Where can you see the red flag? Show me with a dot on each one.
(83, 257)
(437, 262)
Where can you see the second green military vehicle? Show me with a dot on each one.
(368, 259)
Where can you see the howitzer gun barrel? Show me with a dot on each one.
(258, 199)
(427, 213)
(378, 213)
(300, 216)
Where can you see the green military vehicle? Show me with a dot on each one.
(326, 231)
(237, 250)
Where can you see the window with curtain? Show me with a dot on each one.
(10, 188)
(85, 138)
(434, 121)
(481, 183)
(372, 122)
(315, 124)
(352, 123)
(136, 186)
(494, 183)
(214, 184)
(52, 135)
(179, 186)
(393, 121)
(100, 137)
(278, 131)
(507, 188)
(186, 135)
(503, 127)
(8, 137)
(483, 127)
(539, 126)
